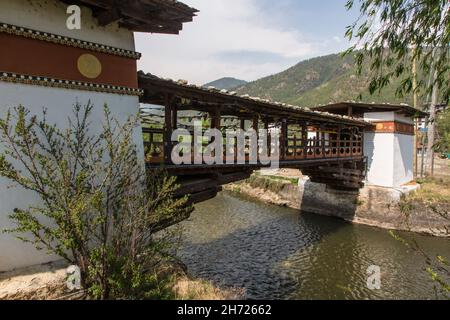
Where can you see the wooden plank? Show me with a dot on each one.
(233, 177)
(203, 196)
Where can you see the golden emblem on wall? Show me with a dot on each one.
(89, 66)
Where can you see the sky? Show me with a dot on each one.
(246, 39)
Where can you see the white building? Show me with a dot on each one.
(388, 144)
(44, 62)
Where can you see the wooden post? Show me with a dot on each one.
(215, 122)
(361, 139)
(255, 123)
(168, 129)
(317, 144)
(150, 143)
(174, 118)
(215, 118)
(269, 146)
(339, 141)
(255, 127)
(242, 125)
(416, 128)
(283, 138)
(322, 129)
(305, 139)
(350, 111)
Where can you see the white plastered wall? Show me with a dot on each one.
(390, 155)
(50, 16)
(403, 159)
(59, 103)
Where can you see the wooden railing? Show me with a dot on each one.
(324, 148)
(154, 145)
(295, 149)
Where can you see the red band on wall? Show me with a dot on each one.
(393, 127)
(40, 58)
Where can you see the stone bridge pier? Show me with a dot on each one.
(389, 159)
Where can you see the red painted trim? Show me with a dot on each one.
(40, 58)
(392, 127)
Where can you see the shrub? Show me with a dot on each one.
(99, 209)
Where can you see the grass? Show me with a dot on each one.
(291, 180)
(271, 183)
(266, 183)
(186, 289)
(279, 178)
(433, 189)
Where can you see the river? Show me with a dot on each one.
(279, 253)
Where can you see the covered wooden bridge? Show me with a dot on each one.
(326, 147)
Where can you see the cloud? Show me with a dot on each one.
(234, 38)
(223, 29)
(337, 39)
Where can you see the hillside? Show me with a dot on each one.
(226, 83)
(319, 81)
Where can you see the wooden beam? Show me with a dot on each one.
(203, 196)
(233, 177)
(195, 186)
(108, 16)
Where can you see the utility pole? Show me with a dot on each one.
(416, 129)
(432, 124)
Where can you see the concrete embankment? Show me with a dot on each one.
(389, 208)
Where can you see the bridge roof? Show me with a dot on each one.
(155, 16)
(193, 97)
(359, 108)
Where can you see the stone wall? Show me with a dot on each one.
(376, 206)
(381, 207)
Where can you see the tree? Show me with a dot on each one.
(99, 209)
(394, 33)
(396, 36)
(443, 128)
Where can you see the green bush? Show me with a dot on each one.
(99, 209)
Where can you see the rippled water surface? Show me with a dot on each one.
(280, 253)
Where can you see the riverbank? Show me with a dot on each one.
(48, 282)
(270, 189)
(422, 207)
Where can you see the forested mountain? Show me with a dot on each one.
(226, 83)
(320, 80)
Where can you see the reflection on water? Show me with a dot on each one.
(278, 253)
